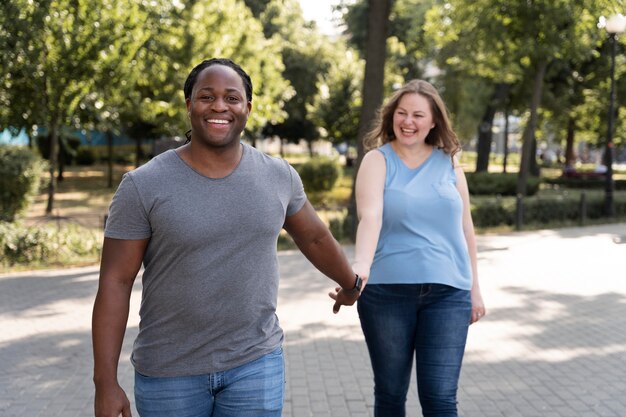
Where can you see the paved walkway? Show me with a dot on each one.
(553, 343)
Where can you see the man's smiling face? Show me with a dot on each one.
(218, 107)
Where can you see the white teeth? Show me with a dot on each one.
(408, 131)
(218, 121)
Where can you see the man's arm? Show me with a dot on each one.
(121, 260)
(323, 251)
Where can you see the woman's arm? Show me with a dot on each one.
(478, 307)
(369, 190)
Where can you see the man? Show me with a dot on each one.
(204, 220)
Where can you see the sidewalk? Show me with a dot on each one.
(552, 345)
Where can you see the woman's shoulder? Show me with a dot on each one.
(376, 155)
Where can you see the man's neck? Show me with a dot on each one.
(216, 162)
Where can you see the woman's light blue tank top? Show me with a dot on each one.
(421, 240)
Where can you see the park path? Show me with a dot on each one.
(552, 345)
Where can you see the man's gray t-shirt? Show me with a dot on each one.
(210, 283)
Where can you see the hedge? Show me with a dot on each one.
(505, 184)
(543, 210)
(46, 245)
(319, 174)
(597, 183)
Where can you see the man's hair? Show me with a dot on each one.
(193, 75)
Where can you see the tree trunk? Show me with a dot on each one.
(529, 131)
(534, 168)
(570, 155)
(506, 139)
(373, 84)
(109, 159)
(54, 157)
(485, 131)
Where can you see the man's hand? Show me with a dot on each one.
(343, 297)
(111, 402)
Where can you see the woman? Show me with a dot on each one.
(416, 247)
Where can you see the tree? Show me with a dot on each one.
(373, 81)
(306, 56)
(61, 49)
(510, 42)
(375, 55)
(337, 105)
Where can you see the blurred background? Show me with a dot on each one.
(90, 89)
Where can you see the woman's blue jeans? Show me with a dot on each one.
(255, 389)
(429, 321)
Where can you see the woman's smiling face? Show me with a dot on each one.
(412, 119)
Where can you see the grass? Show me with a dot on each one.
(82, 198)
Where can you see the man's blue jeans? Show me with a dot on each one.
(255, 389)
(429, 321)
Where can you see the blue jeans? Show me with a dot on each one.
(429, 321)
(255, 389)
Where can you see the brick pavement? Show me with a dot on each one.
(553, 343)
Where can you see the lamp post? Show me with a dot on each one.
(615, 25)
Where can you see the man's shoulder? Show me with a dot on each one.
(271, 162)
(155, 172)
(156, 164)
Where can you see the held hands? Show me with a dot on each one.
(348, 297)
(343, 297)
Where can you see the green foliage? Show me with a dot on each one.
(485, 183)
(337, 105)
(493, 212)
(307, 56)
(20, 176)
(46, 245)
(597, 183)
(341, 227)
(319, 174)
(543, 211)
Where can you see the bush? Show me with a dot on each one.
(597, 183)
(319, 174)
(542, 211)
(340, 227)
(491, 213)
(85, 155)
(505, 184)
(20, 176)
(45, 245)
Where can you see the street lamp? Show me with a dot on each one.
(615, 25)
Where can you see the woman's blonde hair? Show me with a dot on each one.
(441, 136)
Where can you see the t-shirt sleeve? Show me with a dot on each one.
(298, 196)
(127, 218)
